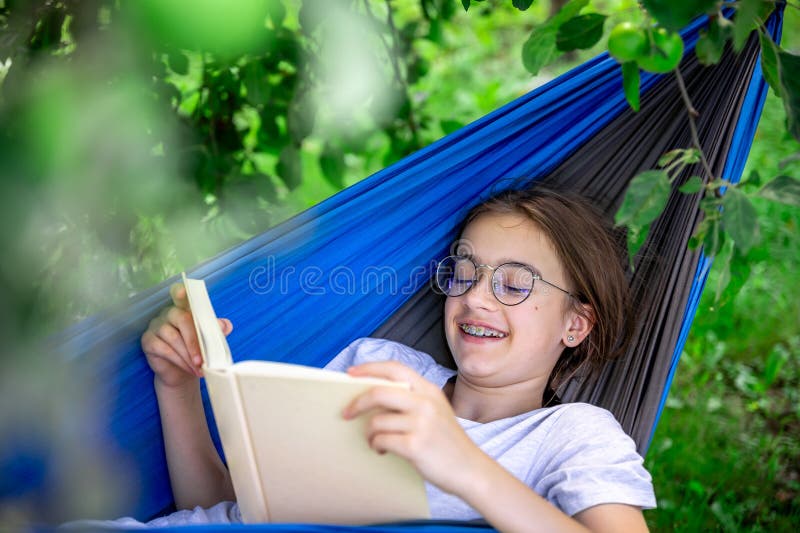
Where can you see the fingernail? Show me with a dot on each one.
(197, 360)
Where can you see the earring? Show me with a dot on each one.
(570, 338)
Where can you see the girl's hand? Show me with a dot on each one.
(170, 342)
(417, 424)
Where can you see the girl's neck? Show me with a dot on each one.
(486, 404)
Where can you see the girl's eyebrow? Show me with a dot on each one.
(501, 261)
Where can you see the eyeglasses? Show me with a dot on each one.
(512, 283)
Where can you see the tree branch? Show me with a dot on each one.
(394, 53)
(693, 114)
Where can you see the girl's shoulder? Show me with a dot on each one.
(584, 419)
(587, 458)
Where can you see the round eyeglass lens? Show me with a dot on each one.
(512, 284)
(455, 275)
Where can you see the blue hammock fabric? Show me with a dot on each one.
(303, 290)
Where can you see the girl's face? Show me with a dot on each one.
(528, 338)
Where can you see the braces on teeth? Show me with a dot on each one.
(481, 331)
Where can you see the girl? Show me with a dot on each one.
(535, 294)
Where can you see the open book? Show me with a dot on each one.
(291, 455)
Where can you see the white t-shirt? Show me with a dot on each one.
(575, 455)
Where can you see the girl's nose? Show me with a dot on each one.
(480, 295)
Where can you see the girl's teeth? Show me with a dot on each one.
(480, 331)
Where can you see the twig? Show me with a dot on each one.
(795, 6)
(398, 74)
(412, 123)
(692, 113)
(394, 53)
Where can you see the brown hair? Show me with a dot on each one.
(593, 263)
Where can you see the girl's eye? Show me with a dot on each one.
(515, 290)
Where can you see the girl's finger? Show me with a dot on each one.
(386, 398)
(396, 443)
(175, 340)
(226, 325)
(389, 423)
(164, 351)
(391, 370)
(182, 321)
(178, 294)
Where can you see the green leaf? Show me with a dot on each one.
(750, 14)
(581, 32)
(713, 238)
(675, 14)
(739, 268)
(789, 69)
(712, 41)
(277, 13)
(522, 5)
(449, 125)
(782, 189)
(465, 3)
(669, 157)
(754, 179)
(178, 63)
(539, 49)
(691, 156)
(630, 83)
(781, 70)
(693, 185)
(300, 118)
(570, 10)
(289, 167)
(723, 261)
(769, 62)
(786, 161)
(311, 15)
(645, 199)
(636, 238)
(331, 161)
(739, 218)
(256, 83)
(708, 50)
(775, 361)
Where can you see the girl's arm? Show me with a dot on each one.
(510, 505)
(420, 426)
(196, 472)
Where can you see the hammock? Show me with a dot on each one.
(359, 263)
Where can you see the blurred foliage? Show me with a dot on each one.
(142, 137)
(228, 128)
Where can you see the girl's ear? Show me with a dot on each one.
(579, 325)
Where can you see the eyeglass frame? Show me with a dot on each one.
(536, 277)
